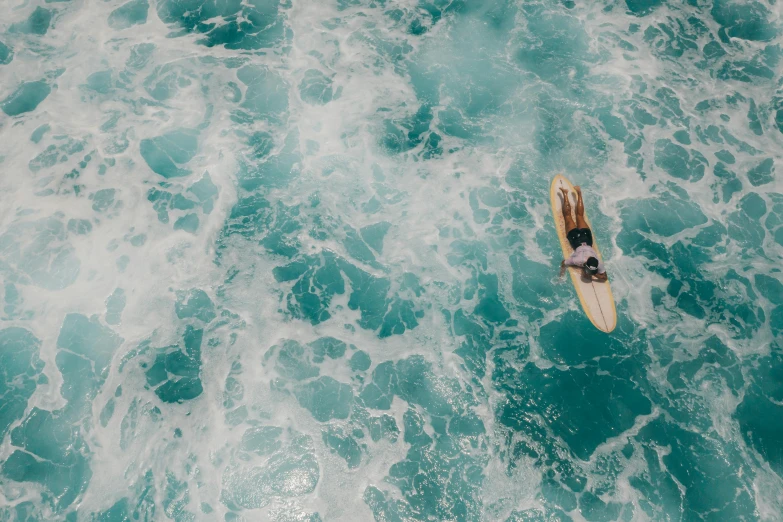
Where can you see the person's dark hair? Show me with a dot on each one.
(591, 265)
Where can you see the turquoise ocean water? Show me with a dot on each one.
(295, 261)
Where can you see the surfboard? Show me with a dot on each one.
(595, 296)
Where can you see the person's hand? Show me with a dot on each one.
(562, 267)
(601, 277)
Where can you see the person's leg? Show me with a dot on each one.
(569, 221)
(580, 209)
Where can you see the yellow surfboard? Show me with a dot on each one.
(595, 296)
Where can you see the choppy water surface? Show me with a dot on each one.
(294, 261)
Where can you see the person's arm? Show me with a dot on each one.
(601, 275)
(566, 263)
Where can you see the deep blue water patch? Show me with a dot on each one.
(26, 97)
(165, 153)
(317, 279)
(256, 24)
(52, 450)
(316, 87)
(129, 14)
(6, 54)
(175, 374)
(37, 23)
(19, 355)
(745, 20)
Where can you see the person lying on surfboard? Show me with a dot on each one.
(581, 240)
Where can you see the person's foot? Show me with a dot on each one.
(578, 189)
(565, 192)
